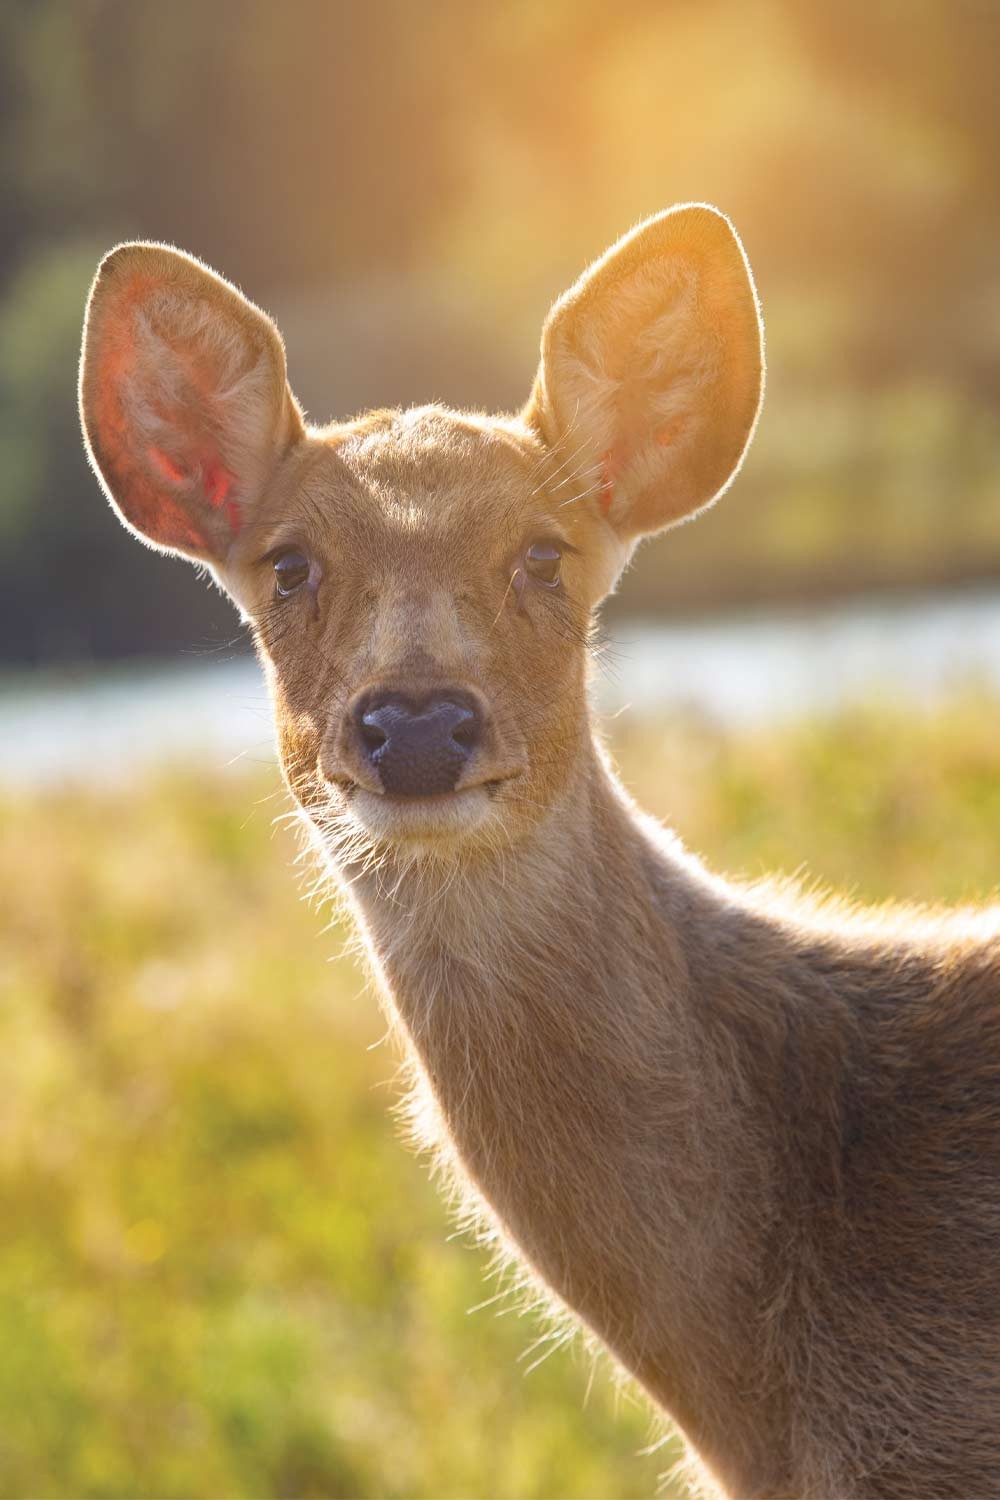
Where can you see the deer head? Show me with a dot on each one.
(421, 584)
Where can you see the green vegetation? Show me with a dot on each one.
(221, 1274)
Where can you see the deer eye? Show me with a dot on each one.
(542, 560)
(291, 569)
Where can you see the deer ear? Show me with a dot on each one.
(185, 406)
(652, 369)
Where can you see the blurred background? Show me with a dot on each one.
(219, 1271)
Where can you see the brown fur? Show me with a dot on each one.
(752, 1143)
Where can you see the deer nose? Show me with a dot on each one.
(418, 749)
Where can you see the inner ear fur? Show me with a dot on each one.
(184, 398)
(652, 370)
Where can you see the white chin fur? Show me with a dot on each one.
(410, 820)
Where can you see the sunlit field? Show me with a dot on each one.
(221, 1273)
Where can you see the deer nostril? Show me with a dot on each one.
(373, 736)
(466, 731)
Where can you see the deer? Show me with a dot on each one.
(746, 1138)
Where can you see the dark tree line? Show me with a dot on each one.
(475, 156)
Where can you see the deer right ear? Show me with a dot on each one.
(652, 370)
(185, 406)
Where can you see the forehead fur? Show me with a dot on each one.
(395, 478)
(407, 487)
(431, 464)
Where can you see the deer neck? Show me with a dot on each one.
(553, 1007)
(558, 929)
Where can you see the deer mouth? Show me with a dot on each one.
(440, 817)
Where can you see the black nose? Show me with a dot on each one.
(418, 749)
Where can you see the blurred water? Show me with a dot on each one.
(765, 667)
(754, 668)
(113, 722)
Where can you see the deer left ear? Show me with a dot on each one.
(185, 405)
(653, 370)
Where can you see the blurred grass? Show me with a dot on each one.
(220, 1272)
